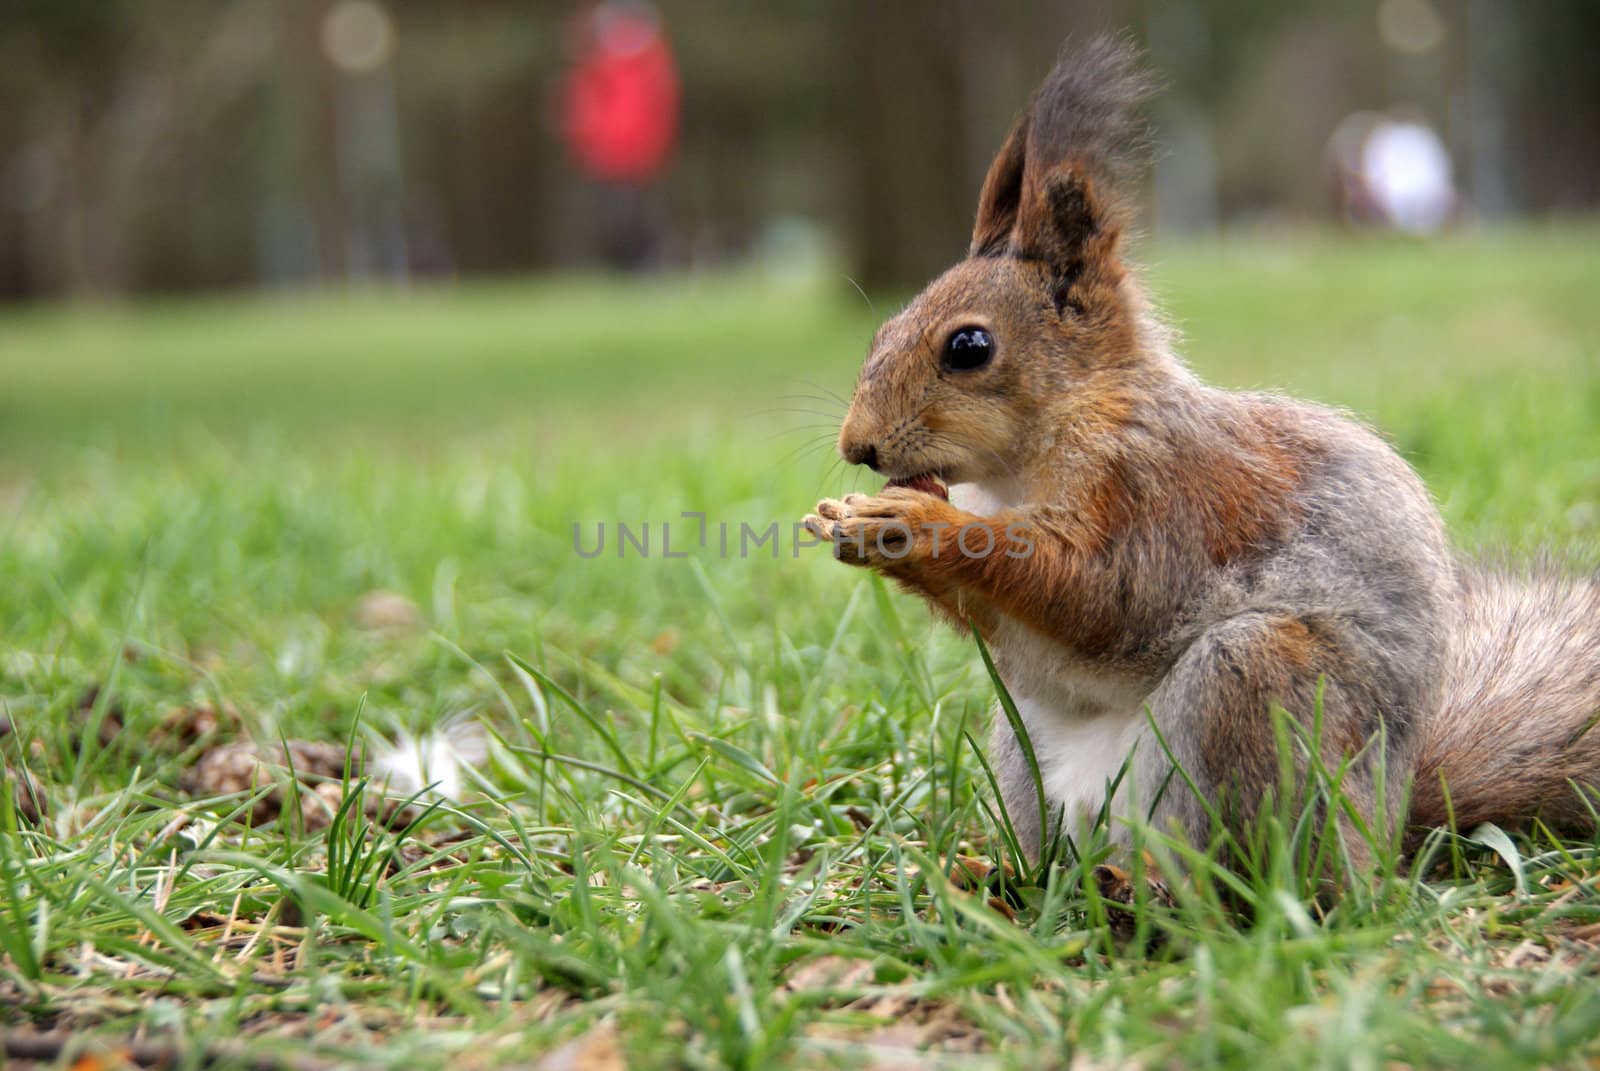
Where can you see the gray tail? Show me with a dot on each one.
(1516, 734)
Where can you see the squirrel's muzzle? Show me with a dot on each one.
(860, 453)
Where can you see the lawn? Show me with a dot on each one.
(729, 815)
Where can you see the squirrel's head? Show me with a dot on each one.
(1030, 336)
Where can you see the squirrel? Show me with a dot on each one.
(1156, 564)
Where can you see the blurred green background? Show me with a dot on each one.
(175, 145)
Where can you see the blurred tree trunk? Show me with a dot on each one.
(78, 174)
(494, 165)
(927, 97)
(900, 103)
(314, 89)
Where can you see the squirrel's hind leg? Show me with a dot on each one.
(1214, 713)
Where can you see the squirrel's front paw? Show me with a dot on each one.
(883, 530)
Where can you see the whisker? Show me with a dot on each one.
(826, 395)
(823, 398)
(827, 406)
(792, 409)
(817, 435)
(828, 430)
(815, 440)
(864, 296)
(801, 451)
(825, 390)
(827, 474)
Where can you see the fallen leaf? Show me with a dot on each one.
(386, 611)
(27, 794)
(829, 972)
(103, 1060)
(185, 726)
(1121, 895)
(110, 724)
(972, 872)
(596, 1050)
(317, 781)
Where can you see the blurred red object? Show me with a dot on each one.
(620, 113)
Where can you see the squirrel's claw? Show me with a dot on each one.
(864, 529)
(831, 523)
(819, 526)
(834, 510)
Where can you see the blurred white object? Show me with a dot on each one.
(1407, 170)
(358, 36)
(1392, 172)
(434, 760)
(1410, 26)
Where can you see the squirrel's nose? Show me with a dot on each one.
(861, 454)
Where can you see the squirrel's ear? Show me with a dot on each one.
(1001, 196)
(1065, 223)
(1067, 171)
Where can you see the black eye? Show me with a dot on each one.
(966, 349)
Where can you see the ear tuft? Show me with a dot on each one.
(1088, 112)
(1060, 188)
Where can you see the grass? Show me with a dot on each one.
(730, 806)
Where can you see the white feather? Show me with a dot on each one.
(434, 760)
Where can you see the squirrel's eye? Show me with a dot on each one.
(966, 349)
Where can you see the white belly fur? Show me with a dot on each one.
(1083, 722)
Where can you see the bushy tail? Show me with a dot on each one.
(1517, 727)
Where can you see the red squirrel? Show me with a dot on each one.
(1156, 563)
